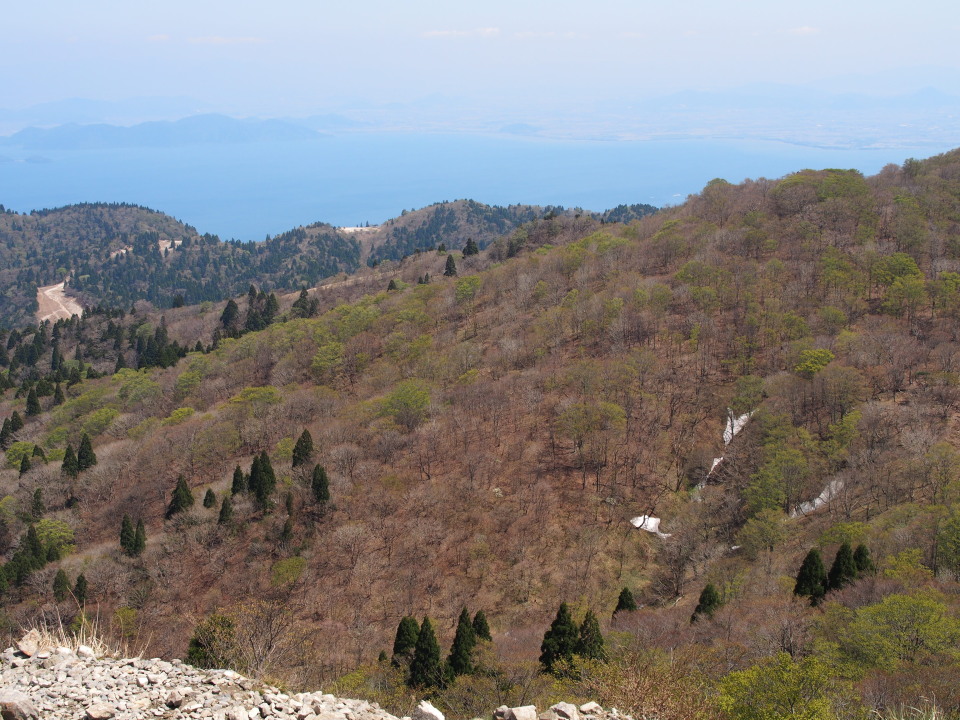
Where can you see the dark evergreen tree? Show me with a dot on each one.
(230, 316)
(590, 642)
(80, 590)
(37, 508)
(139, 539)
(470, 248)
(560, 641)
(70, 467)
(625, 602)
(39, 454)
(34, 548)
(127, 534)
(425, 669)
(226, 511)
(460, 662)
(392, 285)
(239, 483)
(181, 499)
(405, 641)
(303, 450)
(450, 270)
(263, 481)
(16, 422)
(863, 561)
(86, 458)
(708, 603)
(812, 578)
(209, 499)
(25, 464)
(61, 586)
(844, 569)
(320, 485)
(33, 403)
(5, 432)
(480, 627)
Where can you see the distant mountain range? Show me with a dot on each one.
(197, 129)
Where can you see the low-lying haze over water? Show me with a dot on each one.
(249, 190)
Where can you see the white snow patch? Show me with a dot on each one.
(832, 489)
(650, 524)
(734, 425)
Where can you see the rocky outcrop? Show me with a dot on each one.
(63, 684)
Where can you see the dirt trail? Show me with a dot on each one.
(55, 304)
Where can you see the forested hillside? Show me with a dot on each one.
(314, 488)
(115, 255)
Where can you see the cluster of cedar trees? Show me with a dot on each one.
(260, 483)
(814, 582)
(415, 650)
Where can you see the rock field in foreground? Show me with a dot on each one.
(63, 684)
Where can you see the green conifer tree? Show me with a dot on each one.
(560, 641)
(470, 248)
(86, 458)
(460, 660)
(37, 507)
(239, 483)
(209, 499)
(844, 569)
(812, 578)
(262, 489)
(226, 511)
(480, 627)
(80, 590)
(58, 397)
(405, 641)
(34, 548)
(303, 450)
(25, 464)
(181, 499)
(625, 602)
(590, 642)
(708, 603)
(33, 403)
(127, 534)
(425, 669)
(16, 422)
(450, 270)
(61, 586)
(139, 539)
(320, 485)
(863, 561)
(39, 453)
(70, 467)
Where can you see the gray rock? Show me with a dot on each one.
(238, 712)
(85, 652)
(175, 699)
(100, 711)
(29, 644)
(15, 705)
(426, 711)
(591, 708)
(524, 712)
(566, 710)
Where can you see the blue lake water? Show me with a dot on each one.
(251, 190)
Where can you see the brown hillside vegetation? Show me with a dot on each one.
(488, 437)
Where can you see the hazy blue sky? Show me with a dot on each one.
(296, 56)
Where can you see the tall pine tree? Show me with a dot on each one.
(405, 641)
(33, 403)
(590, 641)
(61, 586)
(812, 578)
(863, 561)
(460, 661)
(70, 467)
(127, 535)
(844, 569)
(481, 627)
(320, 485)
(425, 670)
(303, 450)
(560, 641)
(181, 499)
(86, 458)
(226, 511)
(239, 483)
(708, 603)
(625, 602)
